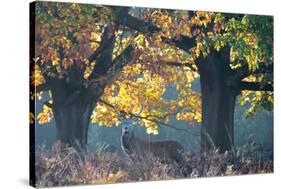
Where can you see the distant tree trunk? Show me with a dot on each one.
(218, 105)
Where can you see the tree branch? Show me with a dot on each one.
(255, 86)
(123, 18)
(184, 42)
(243, 71)
(103, 54)
(106, 40)
(42, 87)
(177, 64)
(119, 12)
(47, 103)
(43, 70)
(147, 27)
(99, 82)
(122, 112)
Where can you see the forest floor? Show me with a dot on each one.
(63, 166)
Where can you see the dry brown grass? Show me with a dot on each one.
(63, 166)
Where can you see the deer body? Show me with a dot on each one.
(166, 151)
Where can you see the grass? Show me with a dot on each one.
(63, 166)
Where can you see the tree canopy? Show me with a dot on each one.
(152, 48)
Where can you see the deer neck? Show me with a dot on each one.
(127, 141)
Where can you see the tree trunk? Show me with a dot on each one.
(218, 105)
(72, 115)
(217, 112)
(72, 124)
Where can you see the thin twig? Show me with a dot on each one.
(123, 113)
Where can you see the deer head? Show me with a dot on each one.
(127, 136)
(127, 129)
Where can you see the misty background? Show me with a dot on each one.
(258, 128)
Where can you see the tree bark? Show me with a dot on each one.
(72, 118)
(72, 124)
(218, 104)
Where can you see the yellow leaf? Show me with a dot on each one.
(46, 115)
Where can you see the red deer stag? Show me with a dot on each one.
(166, 151)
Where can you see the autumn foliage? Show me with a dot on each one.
(67, 35)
